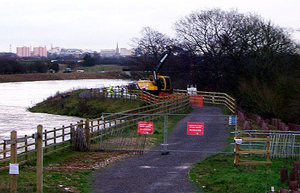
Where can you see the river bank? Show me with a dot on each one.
(17, 97)
(60, 76)
(81, 103)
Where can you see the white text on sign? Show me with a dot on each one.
(195, 128)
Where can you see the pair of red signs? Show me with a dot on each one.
(193, 128)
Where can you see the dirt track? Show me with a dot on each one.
(153, 172)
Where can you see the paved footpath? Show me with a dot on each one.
(153, 172)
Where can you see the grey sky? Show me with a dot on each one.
(100, 24)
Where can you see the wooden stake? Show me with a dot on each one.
(4, 154)
(26, 148)
(87, 133)
(39, 159)
(13, 160)
(237, 155)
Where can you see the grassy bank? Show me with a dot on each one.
(66, 171)
(73, 105)
(217, 173)
(101, 68)
(60, 76)
(71, 171)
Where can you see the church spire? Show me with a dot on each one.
(117, 49)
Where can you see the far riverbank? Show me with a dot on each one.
(60, 76)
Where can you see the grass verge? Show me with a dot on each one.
(66, 171)
(217, 173)
(92, 107)
(70, 171)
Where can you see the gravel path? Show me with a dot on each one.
(153, 172)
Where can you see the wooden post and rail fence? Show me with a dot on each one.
(58, 139)
(238, 152)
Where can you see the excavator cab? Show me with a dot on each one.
(164, 83)
(156, 83)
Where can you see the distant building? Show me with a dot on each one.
(108, 52)
(71, 52)
(117, 50)
(23, 51)
(55, 50)
(39, 52)
(126, 52)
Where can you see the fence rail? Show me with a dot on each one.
(95, 130)
(215, 98)
(283, 144)
(53, 141)
(58, 139)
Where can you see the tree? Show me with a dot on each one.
(150, 46)
(88, 60)
(227, 40)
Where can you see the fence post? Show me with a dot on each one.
(4, 154)
(39, 159)
(101, 132)
(236, 153)
(165, 135)
(87, 133)
(71, 133)
(46, 141)
(54, 140)
(26, 148)
(13, 160)
(63, 133)
(268, 149)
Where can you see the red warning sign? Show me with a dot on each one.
(195, 128)
(145, 128)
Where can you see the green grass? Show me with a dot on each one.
(224, 109)
(73, 105)
(52, 181)
(101, 68)
(217, 173)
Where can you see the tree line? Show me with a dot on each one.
(241, 54)
(10, 65)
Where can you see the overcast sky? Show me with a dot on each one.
(100, 24)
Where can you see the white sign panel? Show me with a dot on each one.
(13, 168)
(238, 141)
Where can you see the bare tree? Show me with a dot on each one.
(215, 33)
(226, 38)
(150, 46)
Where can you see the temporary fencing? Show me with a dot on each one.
(131, 136)
(283, 144)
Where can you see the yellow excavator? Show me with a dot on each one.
(158, 84)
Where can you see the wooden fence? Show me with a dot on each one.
(215, 98)
(53, 141)
(60, 138)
